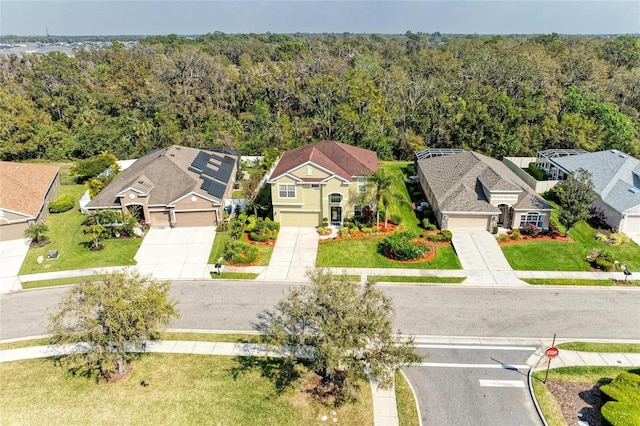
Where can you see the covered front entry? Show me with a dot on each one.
(468, 223)
(503, 219)
(336, 215)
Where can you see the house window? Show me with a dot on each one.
(286, 190)
(315, 186)
(533, 218)
(335, 198)
(362, 185)
(309, 173)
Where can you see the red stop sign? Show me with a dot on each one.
(551, 352)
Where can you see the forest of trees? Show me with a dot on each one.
(500, 96)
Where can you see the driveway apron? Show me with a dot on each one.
(482, 259)
(12, 254)
(295, 251)
(176, 253)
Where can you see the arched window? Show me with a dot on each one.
(335, 198)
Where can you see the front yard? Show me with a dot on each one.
(561, 256)
(66, 237)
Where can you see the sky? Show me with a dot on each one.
(191, 17)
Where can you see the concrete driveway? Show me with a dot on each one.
(482, 259)
(176, 253)
(12, 255)
(295, 251)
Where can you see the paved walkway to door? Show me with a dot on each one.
(295, 251)
(482, 259)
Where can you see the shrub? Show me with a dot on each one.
(426, 223)
(623, 396)
(250, 223)
(494, 230)
(62, 204)
(240, 252)
(273, 226)
(448, 236)
(530, 229)
(603, 238)
(606, 255)
(502, 238)
(321, 230)
(604, 265)
(536, 172)
(325, 222)
(395, 219)
(402, 246)
(618, 238)
(435, 238)
(515, 234)
(368, 229)
(592, 255)
(344, 232)
(431, 227)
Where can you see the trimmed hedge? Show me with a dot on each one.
(62, 204)
(623, 396)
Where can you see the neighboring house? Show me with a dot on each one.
(25, 193)
(324, 179)
(174, 186)
(616, 178)
(469, 191)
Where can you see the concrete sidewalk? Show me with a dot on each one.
(385, 412)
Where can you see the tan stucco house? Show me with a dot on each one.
(25, 193)
(322, 180)
(174, 186)
(470, 191)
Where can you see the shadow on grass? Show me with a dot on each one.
(281, 372)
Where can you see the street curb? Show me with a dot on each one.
(532, 394)
(415, 396)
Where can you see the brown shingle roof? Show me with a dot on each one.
(23, 186)
(164, 171)
(344, 160)
(456, 182)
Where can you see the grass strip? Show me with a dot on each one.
(567, 281)
(406, 402)
(600, 347)
(182, 389)
(234, 275)
(411, 279)
(62, 281)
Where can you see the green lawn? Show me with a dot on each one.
(559, 256)
(410, 279)
(363, 253)
(398, 169)
(234, 276)
(600, 347)
(406, 402)
(61, 281)
(66, 237)
(583, 375)
(183, 389)
(217, 250)
(567, 281)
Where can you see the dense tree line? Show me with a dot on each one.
(394, 94)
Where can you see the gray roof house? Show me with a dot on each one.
(174, 186)
(616, 178)
(470, 191)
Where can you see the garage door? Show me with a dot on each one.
(12, 232)
(203, 218)
(631, 225)
(468, 223)
(159, 218)
(303, 219)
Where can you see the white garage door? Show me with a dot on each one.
(302, 219)
(631, 225)
(468, 223)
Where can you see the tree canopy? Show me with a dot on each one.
(575, 196)
(501, 96)
(342, 327)
(112, 318)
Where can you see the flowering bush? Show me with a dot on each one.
(530, 229)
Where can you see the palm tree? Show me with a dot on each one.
(382, 184)
(36, 232)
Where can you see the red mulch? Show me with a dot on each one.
(259, 243)
(382, 231)
(525, 239)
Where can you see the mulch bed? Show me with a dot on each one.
(430, 255)
(259, 243)
(382, 231)
(577, 399)
(526, 239)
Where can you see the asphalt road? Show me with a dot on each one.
(454, 310)
(467, 385)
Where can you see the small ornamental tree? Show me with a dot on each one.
(37, 233)
(110, 318)
(575, 196)
(342, 328)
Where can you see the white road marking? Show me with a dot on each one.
(497, 348)
(452, 365)
(502, 383)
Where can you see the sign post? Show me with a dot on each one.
(550, 353)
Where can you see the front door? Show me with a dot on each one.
(504, 215)
(336, 215)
